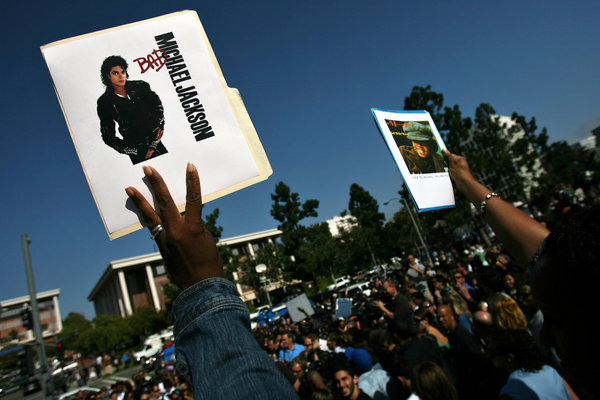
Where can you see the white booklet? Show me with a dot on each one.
(416, 146)
(152, 93)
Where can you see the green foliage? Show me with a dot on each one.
(565, 165)
(74, 325)
(364, 208)
(210, 221)
(171, 292)
(289, 211)
(146, 321)
(108, 333)
(317, 253)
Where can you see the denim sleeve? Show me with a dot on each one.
(215, 349)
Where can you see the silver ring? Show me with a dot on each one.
(154, 232)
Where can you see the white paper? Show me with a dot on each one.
(431, 187)
(299, 302)
(231, 159)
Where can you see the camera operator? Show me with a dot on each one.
(398, 308)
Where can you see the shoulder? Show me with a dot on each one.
(104, 98)
(363, 396)
(139, 85)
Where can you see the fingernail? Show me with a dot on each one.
(129, 191)
(147, 171)
(190, 167)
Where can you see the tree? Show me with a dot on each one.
(566, 166)
(316, 254)
(289, 211)
(366, 236)
(108, 333)
(210, 221)
(74, 325)
(448, 120)
(364, 208)
(146, 321)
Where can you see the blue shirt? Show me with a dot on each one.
(545, 384)
(288, 355)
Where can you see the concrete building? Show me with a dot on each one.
(337, 223)
(247, 245)
(129, 284)
(528, 176)
(250, 243)
(11, 322)
(132, 283)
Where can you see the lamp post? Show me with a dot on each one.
(260, 270)
(416, 223)
(35, 314)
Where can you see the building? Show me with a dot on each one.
(132, 283)
(528, 176)
(129, 284)
(250, 243)
(247, 245)
(337, 224)
(11, 320)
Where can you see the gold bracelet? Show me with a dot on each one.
(483, 205)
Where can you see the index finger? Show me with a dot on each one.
(193, 197)
(168, 210)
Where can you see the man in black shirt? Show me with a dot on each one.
(398, 308)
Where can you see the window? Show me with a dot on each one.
(159, 270)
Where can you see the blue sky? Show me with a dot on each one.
(309, 72)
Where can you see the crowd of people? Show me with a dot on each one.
(516, 328)
(459, 329)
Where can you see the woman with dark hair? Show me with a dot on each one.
(430, 382)
(135, 108)
(516, 352)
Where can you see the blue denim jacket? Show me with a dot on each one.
(215, 349)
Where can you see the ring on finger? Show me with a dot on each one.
(154, 232)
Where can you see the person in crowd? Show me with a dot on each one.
(460, 280)
(506, 313)
(430, 382)
(425, 323)
(346, 383)
(510, 285)
(473, 367)
(459, 306)
(563, 265)
(289, 349)
(517, 353)
(399, 307)
(415, 270)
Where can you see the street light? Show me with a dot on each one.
(416, 223)
(260, 270)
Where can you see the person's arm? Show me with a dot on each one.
(379, 304)
(215, 349)
(419, 271)
(441, 339)
(107, 125)
(520, 234)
